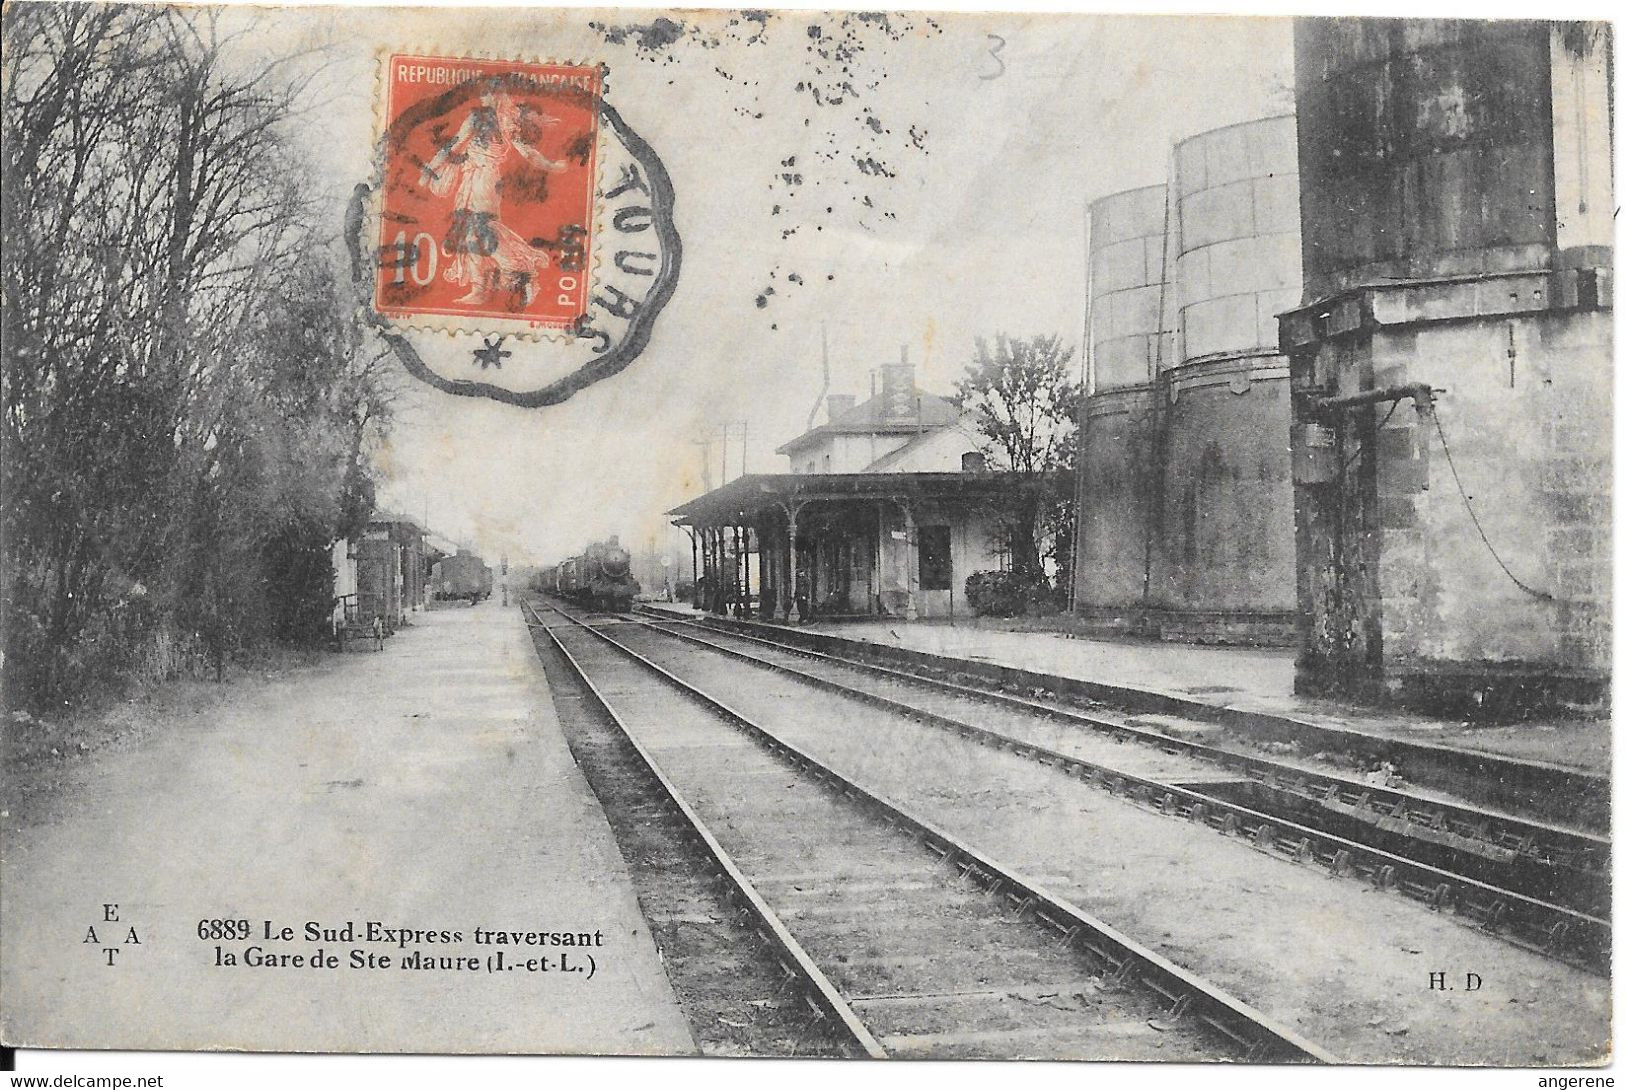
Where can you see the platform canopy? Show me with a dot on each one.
(896, 544)
(758, 492)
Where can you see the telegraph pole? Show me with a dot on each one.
(705, 472)
(744, 446)
(710, 439)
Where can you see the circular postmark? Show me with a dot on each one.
(517, 242)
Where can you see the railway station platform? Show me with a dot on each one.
(1239, 680)
(427, 789)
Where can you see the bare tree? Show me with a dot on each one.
(185, 395)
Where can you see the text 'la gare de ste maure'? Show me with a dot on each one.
(405, 941)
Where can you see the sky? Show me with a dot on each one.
(944, 200)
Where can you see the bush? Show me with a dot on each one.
(1005, 593)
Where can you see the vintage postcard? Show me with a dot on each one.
(748, 533)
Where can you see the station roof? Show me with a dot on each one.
(927, 411)
(759, 491)
(393, 518)
(441, 544)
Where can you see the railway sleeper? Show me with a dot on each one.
(1440, 897)
(1492, 915)
(1251, 1046)
(1174, 998)
(733, 890)
(1555, 938)
(1298, 849)
(1044, 917)
(1102, 958)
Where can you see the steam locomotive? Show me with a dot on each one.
(600, 578)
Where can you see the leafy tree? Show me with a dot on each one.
(1025, 401)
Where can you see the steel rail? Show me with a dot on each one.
(1495, 836)
(1531, 779)
(1259, 1035)
(1574, 937)
(822, 995)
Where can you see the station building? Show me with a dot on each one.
(888, 509)
(383, 574)
(900, 429)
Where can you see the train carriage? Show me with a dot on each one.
(461, 578)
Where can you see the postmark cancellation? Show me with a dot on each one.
(515, 206)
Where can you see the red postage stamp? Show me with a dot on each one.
(489, 177)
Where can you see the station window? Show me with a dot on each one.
(936, 558)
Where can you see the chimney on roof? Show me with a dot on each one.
(838, 404)
(898, 403)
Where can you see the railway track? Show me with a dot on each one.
(905, 939)
(1491, 834)
(1512, 785)
(1518, 879)
(1349, 970)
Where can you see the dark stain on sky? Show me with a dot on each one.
(841, 171)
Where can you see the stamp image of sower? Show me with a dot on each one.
(521, 234)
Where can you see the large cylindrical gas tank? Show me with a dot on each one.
(1223, 545)
(1225, 542)
(1236, 238)
(1116, 486)
(1127, 239)
(1425, 148)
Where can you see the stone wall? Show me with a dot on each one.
(1478, 581)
